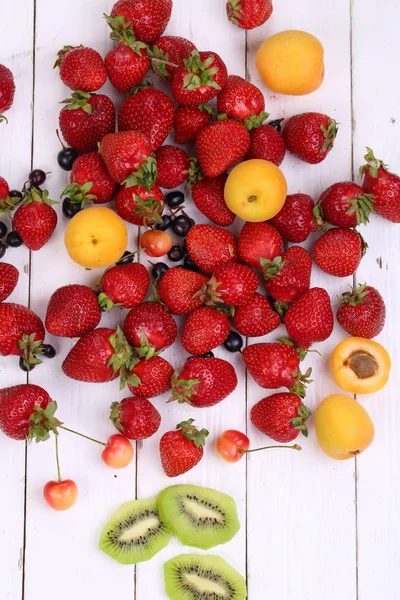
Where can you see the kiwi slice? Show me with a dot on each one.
(134, 533)
(195, 577)
(198, 516)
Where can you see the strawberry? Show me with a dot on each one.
(150, 329)
(255, 317)
(287, 277)
(210, 246)
(200, 79)
(204, 382)
(9, 276)
(281, 417)
(178, 290)
(81, 68)
(339, 251)
(35, 219)
(384, 185)
(151, 377)
(21, 333)
(148, 18)
(189, 121)
(204, 329)
(310, 136)
(345, 204)
(135, 418)
(150, 111)
(231, 284)
(139, 206)
(99, 356)
(170, 49)
(257, 241)
(90, 181)
(310, 318)
(7, 91)
(86, 119)
(275, 365)
(362, 312)
(127, 155)
(220, 145)
(173, 166)
(208, 197)
(72, 311)
(243, 101)
(268, 144)
(296, 220)
(248, 14)
(26, 412)
(4, 189)
(124, 286)
(182, 450)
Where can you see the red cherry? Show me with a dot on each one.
(60, 495)
(232, 445)
(118, 452)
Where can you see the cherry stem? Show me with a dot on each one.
(57, 459)
(295, 447)
(82, 435)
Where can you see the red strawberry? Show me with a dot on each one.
(204, 382)
(243, 101)
(362, 312)
(345, 204)
(275, 365)
(268, 144)
(189, 121)
(178, 290)
(170, 49)
(99, 356)
(90, 181)
(296, 220)
(310, 136)
(182, 450)
(4, 189)
(23, 414)
(208, 197)
(148, 18)
(138, 206)
(35, 219)
(173, 166)
(202, 77)
(7, 91)
(9, 276)
(204, 329)
(248, 14)
(281, 417)
(86, 119)
(287, 277)
(127, 156)
(124, 286)
(231, 284)
(310, 318)
(135, 418)
(81, 68)
(150, 328)
(255, 317)
(339, 251)
(220, 145)
(384, 185)
(150, 377)
(21, 333)
(210, 246)
(72, 311)
(259, 240)
(150, 111)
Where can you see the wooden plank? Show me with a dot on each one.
(301, 517)
(377, 121)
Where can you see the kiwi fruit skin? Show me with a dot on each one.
(225, 582)
(128, 515)
(219, 522)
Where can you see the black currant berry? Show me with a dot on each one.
(233, 342)
(2, 249)
(37, 177)
(23, 366)
(181, 225)
(66, 158)
(206, 355)
(159, 269)
(276, 124)
(166, 223)
(3, 229)
(176, 254)
(175, 199)
(48, 351)
(189, 264)
(126, 258)
(70, 209)
(14, 240)
(16, 194)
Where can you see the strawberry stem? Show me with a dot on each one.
(82, 435)
(295, 447)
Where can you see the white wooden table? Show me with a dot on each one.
(312, 528)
